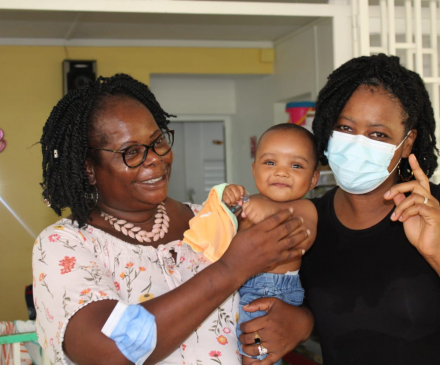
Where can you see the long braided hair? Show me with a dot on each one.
(66, 137)
(406, 86)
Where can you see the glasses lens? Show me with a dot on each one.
(134, 155)
(163, 144)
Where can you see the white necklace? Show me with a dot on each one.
(160, 227)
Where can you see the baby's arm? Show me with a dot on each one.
(258, 209)
(305, 209)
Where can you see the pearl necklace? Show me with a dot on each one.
(160, 227)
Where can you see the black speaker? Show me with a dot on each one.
(76, 73)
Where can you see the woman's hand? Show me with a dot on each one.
(280, 330)
(265, 245)
(420, 214)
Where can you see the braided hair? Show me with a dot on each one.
(406, 86)
(66, 136)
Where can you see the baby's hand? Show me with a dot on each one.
(258, 209)
(233, 194)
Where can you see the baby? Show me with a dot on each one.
(284, 170)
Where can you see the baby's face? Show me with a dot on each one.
(284, 167)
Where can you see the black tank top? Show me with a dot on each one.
(374, 297)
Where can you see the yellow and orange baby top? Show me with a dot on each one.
(213, 228)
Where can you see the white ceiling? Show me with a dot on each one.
(43, 25)
(30, 24)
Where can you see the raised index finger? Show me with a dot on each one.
(420, 186)
(418, 172)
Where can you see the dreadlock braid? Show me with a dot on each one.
(406, 86)
(67, 132)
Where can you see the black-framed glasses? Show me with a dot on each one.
(136, 154)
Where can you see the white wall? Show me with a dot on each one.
(194, 94)
(325, 53)
(302, 65)
(254, 116)
(303, 62)
(243, 99)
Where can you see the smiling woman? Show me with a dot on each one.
(114, 283)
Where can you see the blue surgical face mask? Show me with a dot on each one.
(360, 164)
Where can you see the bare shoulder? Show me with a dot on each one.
(303, 206)
(305, 209)
(179, 211)
(179, 215)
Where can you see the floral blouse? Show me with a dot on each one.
(73, 267)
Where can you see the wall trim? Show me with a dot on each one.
(133, 43)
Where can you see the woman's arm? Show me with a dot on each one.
(420, 214)
(280, 330)
(179, 312)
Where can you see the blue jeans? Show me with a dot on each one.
(285, 287)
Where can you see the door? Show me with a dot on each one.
(199, 160)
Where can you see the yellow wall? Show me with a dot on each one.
(30, 85)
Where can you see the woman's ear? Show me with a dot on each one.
(90, 171)
(315, 180)
(409, 142)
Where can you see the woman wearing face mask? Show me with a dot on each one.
(372, 276)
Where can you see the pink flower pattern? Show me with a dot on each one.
(74, 267)
(215, 355)
(68, 263)
(54, 237)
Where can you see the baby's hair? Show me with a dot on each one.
(70, 130)
(295, 128)
(386, 73)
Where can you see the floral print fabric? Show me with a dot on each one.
(73, 267)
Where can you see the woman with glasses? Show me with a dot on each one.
(113, 282)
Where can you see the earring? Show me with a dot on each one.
(92, 200)
(408, 171)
